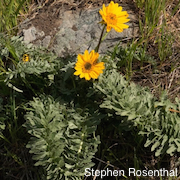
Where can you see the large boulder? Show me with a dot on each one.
(68, 31)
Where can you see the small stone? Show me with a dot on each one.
(29, 34)
(32, 34)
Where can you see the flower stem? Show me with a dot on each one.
(100, 39)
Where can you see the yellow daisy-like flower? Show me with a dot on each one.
(87, 66)
(25, 57)
(114, 17)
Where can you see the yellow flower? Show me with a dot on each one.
(114, 17)
(25, 57)
(87, 66)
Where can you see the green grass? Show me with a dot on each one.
(10, 11)
(154, 32)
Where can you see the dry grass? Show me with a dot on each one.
(166, 74)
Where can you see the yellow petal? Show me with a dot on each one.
(98, 71)
(110, 8)
(122, 21)
(118, 29)
(80, 58)
(82, 75)
(118, 10)
(104, 9)
(94, 75)
(77, 73)
(87, 76)
(95, 58)
(78, 66)
(122, 14)
(108, 28)
(101, 64)
(86, 55)
(121, 27)
(91, 55)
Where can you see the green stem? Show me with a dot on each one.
(100, 39)
(74, 85)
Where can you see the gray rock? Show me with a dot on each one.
(29, 34)
(32, 34)
(78, 31)
(46, 41)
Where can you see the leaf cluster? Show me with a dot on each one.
(34, 74)
(152, 117)
(2, 118)
(63, 139)
(62, 111)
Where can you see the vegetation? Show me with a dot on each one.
(54, 124)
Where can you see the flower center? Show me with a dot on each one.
(111, 18)
(87, 66)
